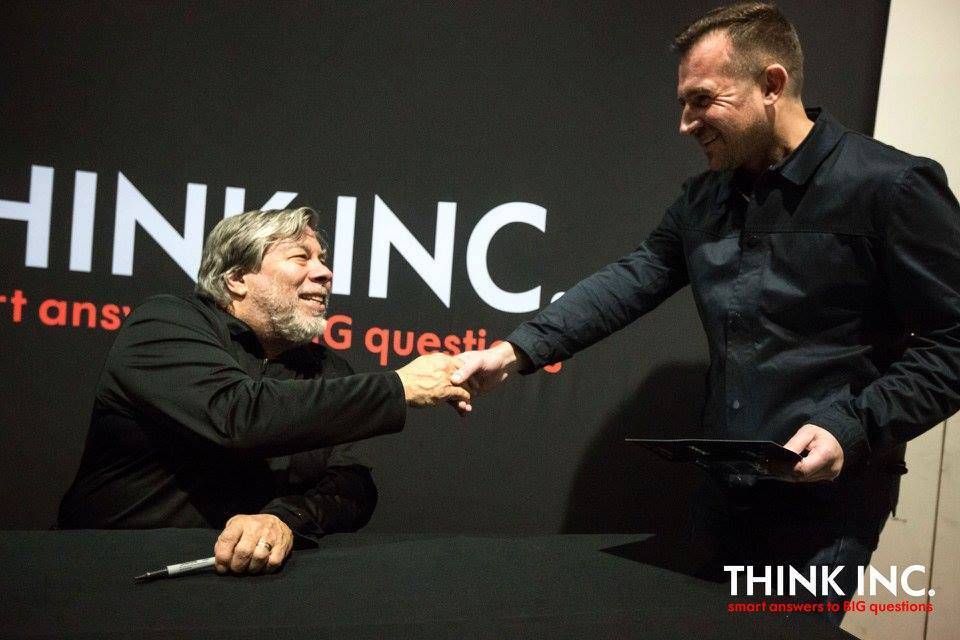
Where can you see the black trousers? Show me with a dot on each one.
(799, 525)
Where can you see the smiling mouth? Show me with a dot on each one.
(316, 300)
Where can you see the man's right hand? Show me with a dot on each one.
(426, 382)
(485, 370)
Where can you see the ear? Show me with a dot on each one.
(236, 282)
(773, 82)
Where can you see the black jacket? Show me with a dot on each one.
(191, 425)
(829, 293)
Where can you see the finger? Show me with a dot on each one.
(275, 561)
(800, 440)
(464, 372)
(815, 466)
(278, 555)
(226, 541)
(463, 408)
(262, 551)
(452, 364)
(457, 394)
(243, 552)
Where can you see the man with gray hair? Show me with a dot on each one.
(218, 410)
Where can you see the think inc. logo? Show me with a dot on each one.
(821, 580)
(133, 210)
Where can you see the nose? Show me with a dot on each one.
(688, 123)
(320, 272)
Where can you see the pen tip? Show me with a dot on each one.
(150, 575)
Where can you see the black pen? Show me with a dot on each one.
(176, 569)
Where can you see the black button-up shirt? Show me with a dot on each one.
(192, 424)
(829, 290)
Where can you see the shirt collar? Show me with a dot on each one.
(798, 167)
(235, 325)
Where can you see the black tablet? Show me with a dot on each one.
(752, 457)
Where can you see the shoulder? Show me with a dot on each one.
(168, 304)
(878, 163)
(188, 313)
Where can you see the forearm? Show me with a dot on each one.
(596, 307)
(342, 501)
(171, 368)
(918, 391)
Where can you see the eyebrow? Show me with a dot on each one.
(294, 245)
(692, 91)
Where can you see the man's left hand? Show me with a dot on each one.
(253, 544)
(824, 458)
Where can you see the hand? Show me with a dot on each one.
(483, 371)
(426, 382)
(824, 458)
(252, 543)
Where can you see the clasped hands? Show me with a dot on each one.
(437, 377)
(427, 382)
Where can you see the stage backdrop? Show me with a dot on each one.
(470, 162)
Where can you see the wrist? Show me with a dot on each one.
(514, 358)
(508, 355)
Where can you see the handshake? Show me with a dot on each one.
(435, 378)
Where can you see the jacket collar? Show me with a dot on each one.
(798, 167)
(241, 332)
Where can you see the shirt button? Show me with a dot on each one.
(751, 240)
(735, 404)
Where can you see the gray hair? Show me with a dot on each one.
(238, 244)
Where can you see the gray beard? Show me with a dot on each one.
(285, 321)
(296, 330)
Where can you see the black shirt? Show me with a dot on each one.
(830, 294)
(192, 424)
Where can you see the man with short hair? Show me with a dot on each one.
(217, 410)
(824, 268)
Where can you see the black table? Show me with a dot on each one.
(80, 584)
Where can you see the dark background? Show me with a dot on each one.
(568, 106)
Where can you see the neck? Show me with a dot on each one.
(794, 127)
(791, 126)
(272, 344)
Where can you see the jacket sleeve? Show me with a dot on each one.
(327, 490)
(608, 300)
(342, 500)
(169, 364)
(921, 269)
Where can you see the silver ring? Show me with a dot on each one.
(264, 543)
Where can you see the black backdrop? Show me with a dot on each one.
(570, 107)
